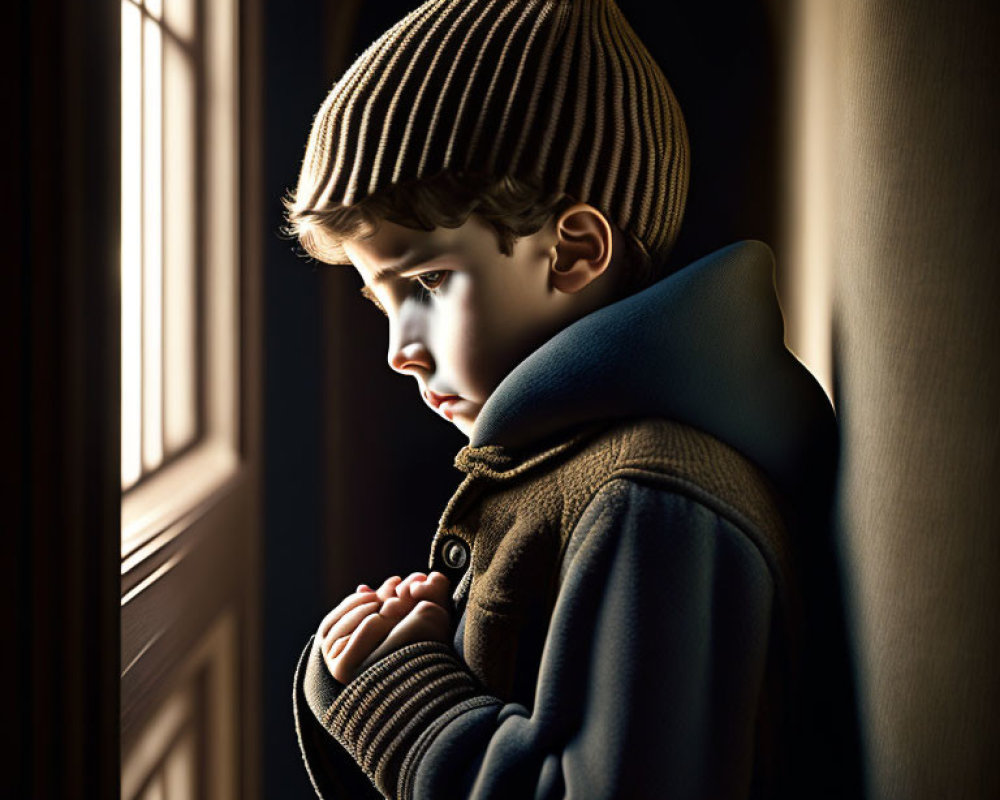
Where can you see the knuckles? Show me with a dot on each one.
(428, 608)
(393, 606)
(432, 618)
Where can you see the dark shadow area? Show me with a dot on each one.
(293, 481)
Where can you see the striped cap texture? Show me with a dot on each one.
(558, 92)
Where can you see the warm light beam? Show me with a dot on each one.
(131, 245)
(152, 294)
(180, 303)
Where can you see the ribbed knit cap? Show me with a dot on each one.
(558, 92)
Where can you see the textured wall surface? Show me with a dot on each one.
(916, 272)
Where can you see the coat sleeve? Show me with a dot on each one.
(648, 686)
(332, 771)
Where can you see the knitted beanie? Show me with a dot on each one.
(558, 92)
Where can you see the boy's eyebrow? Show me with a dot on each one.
(368, 293)
(401, 266)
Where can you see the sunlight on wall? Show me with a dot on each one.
(162, 765)
(809, 309)
(894, 206)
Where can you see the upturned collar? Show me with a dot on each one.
(501, 463)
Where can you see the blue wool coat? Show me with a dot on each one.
(626, 551)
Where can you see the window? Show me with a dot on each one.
(159, 261)
(189, 511)
(178, 259)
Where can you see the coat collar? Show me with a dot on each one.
(501, 463)
(704, 347)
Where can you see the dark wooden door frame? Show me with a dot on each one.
(61, 552)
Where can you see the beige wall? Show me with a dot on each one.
(895, 248)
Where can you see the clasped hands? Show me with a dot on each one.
(369, 624)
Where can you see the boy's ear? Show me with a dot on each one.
(583, 248)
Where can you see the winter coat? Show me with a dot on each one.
(623, 546)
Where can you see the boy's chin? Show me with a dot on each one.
(464, 424)
(462, 413)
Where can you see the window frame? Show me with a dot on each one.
(188, 479)
(189, 530)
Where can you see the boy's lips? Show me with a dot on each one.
(435, 400)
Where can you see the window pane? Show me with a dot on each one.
(223, 202)
(131, 244)
(152, 285)
(179, 18)
(179, 286)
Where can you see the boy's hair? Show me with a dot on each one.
(510, 206)
(503, 108)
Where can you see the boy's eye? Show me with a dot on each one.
(431, 280)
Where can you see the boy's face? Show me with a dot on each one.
(461, 313)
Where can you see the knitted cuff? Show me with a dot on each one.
(379, 716)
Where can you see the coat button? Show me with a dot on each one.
(455, 553)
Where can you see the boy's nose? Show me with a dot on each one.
(411, 358)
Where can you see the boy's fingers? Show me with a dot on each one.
(409, 582)
(388, 588)
(431, 619)
(367, 626)
(427, 622)
(437, 589)
(350, 621)
(364, 639)
(338, 646)
(395, 608)
(345, 605)
(363, 587)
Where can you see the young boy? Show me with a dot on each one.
(612, 607)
